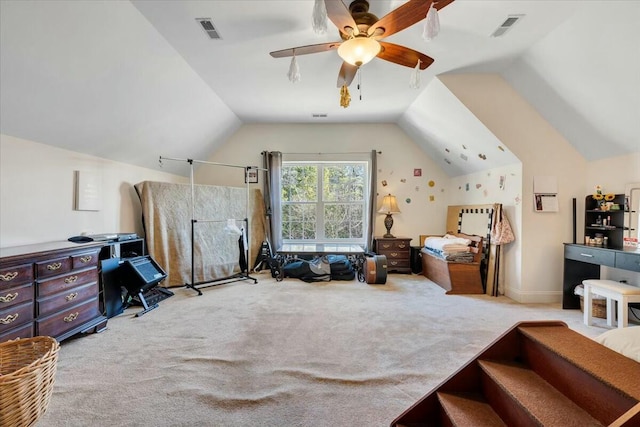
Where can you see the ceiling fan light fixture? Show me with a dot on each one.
(359, 50)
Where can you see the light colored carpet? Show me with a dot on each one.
(281, 354)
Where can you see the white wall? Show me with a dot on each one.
(543, 152)
(37, 193)
(400, 156)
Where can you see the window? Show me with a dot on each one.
(324, 201)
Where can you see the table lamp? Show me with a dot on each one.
(389, 206)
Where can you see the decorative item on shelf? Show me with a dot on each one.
(389, 206)
(604, 200)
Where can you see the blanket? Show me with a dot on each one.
(448, 244)
(166, 213)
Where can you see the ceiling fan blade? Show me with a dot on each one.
(442, 3)
(341, 17)
(400, 18)
(346, 74)
(403, 55)
(305, 50)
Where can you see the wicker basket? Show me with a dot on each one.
(598, 303)
(598, 307)
(27, 374)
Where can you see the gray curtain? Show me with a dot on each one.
(373, 178)
(272, 197)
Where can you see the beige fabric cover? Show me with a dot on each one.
(166, 213)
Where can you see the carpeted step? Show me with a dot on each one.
(521, 397)
(469, 409)
(604, 383)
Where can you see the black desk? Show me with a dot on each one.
(583, 262)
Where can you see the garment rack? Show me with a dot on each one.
(244, 273)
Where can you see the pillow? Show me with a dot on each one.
(625, 341)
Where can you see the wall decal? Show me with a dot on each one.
(482, 156)
(466, 186)
(447, 161)
(408, 200)
(447, 150)
(384, 182)
(403, 180)
(478, 186)
(464, 146)
(432, 198)
(518, 199)
(417, 188)
(485, 193)
(417, 172)
(500, 147)
(463, 157)
(432, 183)
(503, 178)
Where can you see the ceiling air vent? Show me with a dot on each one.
(319, 115)
(506, 25)
(208, 27)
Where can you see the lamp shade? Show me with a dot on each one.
(359, 50)
(389, 205)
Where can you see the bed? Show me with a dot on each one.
(453, 262)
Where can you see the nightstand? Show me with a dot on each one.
(398, 253)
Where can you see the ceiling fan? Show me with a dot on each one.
(361, 34)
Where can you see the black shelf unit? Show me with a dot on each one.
(610, 223)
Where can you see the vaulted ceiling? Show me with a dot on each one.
(130, 81)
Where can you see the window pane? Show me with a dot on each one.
(343, 183)
(300, 183)
(298, 221)
(343, 221)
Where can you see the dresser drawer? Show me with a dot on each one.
(12, 276)
(628, 261)
(16, 295)
(393, 245)
(65, 283)
(64, 321)
(89, 259)
(53, 267)
(396, 263)
(16, 315)
(63, 300)
(590, 255)
(395, 254)
(25, 331)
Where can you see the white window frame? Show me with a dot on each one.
(320, 203)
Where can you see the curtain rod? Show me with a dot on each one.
(344, 152)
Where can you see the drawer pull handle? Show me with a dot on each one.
(9, 276)
(70, 279)
(54, 266)
(587, 255)
(394, 254)
(71, 297)
(402, 245)
(86, 259)
(71, 317)
(386, 245)
(9, 297)
(9, 319)
(393, 262)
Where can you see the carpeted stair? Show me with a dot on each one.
(535, 374)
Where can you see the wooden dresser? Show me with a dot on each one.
(398, 253)
(50, 289)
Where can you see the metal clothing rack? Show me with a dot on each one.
(244, 273)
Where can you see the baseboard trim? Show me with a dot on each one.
(534, 297)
